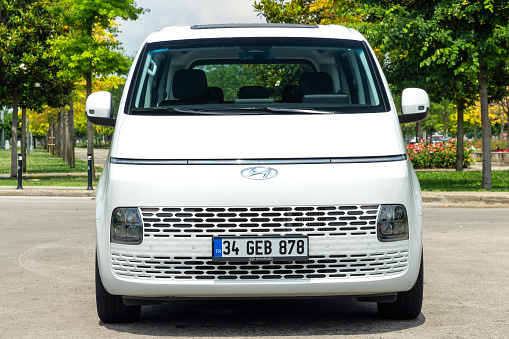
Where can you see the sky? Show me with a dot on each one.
(165, 13)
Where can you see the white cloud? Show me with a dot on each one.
(182, 13)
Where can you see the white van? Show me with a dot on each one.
(257, 161)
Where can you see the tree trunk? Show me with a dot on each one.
(459, 139)
(90, 127)
(60, 129)
(56, 135)
(485, 127)
(65, 136)
(52, 139)
(444, 118)
(14, 146)
(418, 133)
(72, 138)
(23, 150)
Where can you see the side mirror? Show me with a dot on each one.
(414, 105)
(99, 108)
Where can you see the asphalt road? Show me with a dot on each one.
(47, 249)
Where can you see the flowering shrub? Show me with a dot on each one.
(475, 145)
(439, 155)
(499, 146)
(496, 146)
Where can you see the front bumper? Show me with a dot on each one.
(346, 258)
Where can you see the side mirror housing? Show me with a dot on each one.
(414, 105)
(99, 108)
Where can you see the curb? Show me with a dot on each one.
(479, 198)
(46, 191)
(499, 198)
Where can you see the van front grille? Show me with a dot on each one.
(317, 267)
(351, 228)
(352, 220)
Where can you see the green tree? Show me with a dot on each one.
(28, 75)
(281, 11)
(462, 45)
(90, 48)
(309, 11)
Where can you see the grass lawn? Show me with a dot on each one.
(41, 162)
(69, 181)
(461, 181)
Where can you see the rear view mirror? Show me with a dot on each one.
(99, 108)
(414, 105)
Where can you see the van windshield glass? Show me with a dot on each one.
(283, 74)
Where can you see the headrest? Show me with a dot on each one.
(190, 84)
(216, 94)
(316, 83)
(288, 93)
(253, 92)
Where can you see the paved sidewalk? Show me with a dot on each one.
(491, 198)
(47, 191)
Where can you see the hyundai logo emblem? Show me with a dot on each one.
(259, 173)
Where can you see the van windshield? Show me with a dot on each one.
(262, 75)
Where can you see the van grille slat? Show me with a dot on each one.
(324, 267)
(337, 221)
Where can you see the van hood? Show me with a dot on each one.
(257, 136)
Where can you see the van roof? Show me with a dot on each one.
(253, 30)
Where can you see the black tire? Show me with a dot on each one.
(111, 308)
(408, 304)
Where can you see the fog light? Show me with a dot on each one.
(126, 226)
(392, 223)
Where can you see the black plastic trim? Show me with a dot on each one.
(253, 25)
(106, 122)
(414, 117)
(302, 161)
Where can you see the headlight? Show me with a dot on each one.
(126, 226)
(392, 223)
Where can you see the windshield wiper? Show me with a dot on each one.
(293, 110)
(265, 110)
(225, 111)
(169, 110)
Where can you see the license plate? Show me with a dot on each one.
(292, 248)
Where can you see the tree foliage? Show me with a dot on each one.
(455, 46)
(455, 49)
(46, 47)
(28, 74)
(89, 48)
(27, 68)
(323, 12)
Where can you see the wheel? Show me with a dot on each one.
(111, 308)
(408, 304)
